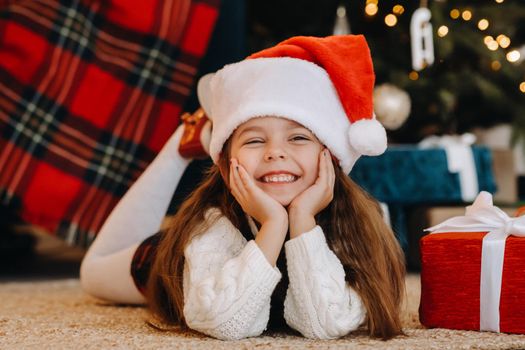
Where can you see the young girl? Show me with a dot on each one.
(277, 233)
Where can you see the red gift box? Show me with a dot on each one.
(450, 282)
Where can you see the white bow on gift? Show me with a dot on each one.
(482, 216)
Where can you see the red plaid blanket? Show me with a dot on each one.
(89, 91)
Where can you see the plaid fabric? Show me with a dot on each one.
(89, 92)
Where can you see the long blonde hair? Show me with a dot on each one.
(354, 229)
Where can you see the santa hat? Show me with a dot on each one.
(325, 84)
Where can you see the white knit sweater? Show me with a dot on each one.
(227, 281)
(228, 285)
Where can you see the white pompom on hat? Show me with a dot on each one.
(325, 84)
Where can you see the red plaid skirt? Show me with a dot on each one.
(89, 92)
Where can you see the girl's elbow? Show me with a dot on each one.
(327, 334)
(335, 324)
(324, 331)
(339, 328)
(231, 337)
(218, 332)
(318, 334)
(231, 329)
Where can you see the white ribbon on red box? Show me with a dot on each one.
(483, 216)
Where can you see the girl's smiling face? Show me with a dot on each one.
(280, 155)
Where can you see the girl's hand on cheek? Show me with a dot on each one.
(314, 199)
(253, 200)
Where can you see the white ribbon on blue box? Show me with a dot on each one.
(483, 216)
(460, 160)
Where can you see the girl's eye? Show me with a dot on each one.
(300, 138)
(253, 141)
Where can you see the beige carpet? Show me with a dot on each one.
(56, 314)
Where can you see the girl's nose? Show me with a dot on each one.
(274, 154)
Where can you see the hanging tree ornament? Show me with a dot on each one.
(391, 105)
(342, 24)
(421, 38)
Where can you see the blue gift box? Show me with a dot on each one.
(411, 175)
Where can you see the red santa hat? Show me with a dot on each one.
(325, 84)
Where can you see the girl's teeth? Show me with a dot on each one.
(279, 178)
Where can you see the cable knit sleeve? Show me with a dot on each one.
(228, 284)
(319, 303)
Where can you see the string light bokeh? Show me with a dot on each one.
(501, 40)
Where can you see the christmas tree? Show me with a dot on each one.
(477, 78)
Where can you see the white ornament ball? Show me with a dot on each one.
(391, 105)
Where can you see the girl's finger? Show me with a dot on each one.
(320, 171)
(245, 179)
(330, 168)
(234, 178)
(249, 188)
(240, 175)
(233, 186)
(323, 169)
(330, 172)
